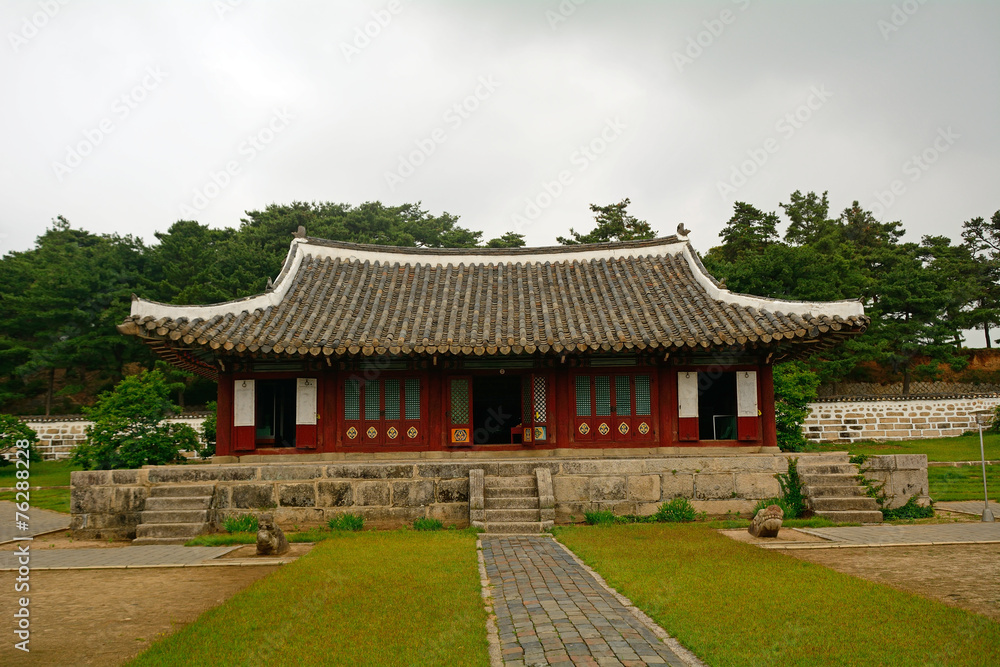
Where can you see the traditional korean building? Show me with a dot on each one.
(362, 348)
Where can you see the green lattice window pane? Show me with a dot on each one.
(392, 399)
(582, 396)
(602, 394)
(352, 399)
(623, 395)
(540, 408)
(372, 397)
(459, 401)
(412, 398)
(642, 401)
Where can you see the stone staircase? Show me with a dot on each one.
(513, 505)
(833, 491)
(174, 514)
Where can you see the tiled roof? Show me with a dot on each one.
(336, 298)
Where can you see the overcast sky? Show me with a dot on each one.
(125, 117)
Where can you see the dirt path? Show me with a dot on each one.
(966, 576)
(106, 617)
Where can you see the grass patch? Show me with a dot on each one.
(423, 523)
(735, 604)
(244, 523)
(56, 500)
(963, 483)
(347, 521)
(959, 448)
(43, 473)
(372, 598)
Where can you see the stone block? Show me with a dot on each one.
(125, 476)
(446, 470)
(721, 507)
(911, 461)
(880, 462)
(644, 488)
(390, 517)
(253, 496)
(756, 486)
(301, 517)
(519, 469)
(453, 491)
(571, 512)
(189, 474)
(713, 486)
(90, 477)
(369, 471)
(128, 498)
(569, 489)
(450, 514)
(607, 488)
(91, 499)
(604, 467)
(412, 494)
(285, 472)
(221, 497)
(477, 489)
(371, 493)
(906, 483)
(674, 485)
(334, 494)
(297, 495)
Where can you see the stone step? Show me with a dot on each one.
(148, 541)
(506, 482)
(833, 491)
(857, 503)
(184, 490)
(174, 516)
(829, 480)
(511, 492)
(512, 516)
(507, 503)
(519, 527)
(179, 503)
(851, 516)
(170, 529)
(829, 469)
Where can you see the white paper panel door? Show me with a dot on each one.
(305, 401)
(243, 403)
(746, 393)
(687, 394)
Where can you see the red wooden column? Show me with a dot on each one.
(224, 416)
(667, 387)
(765, 379)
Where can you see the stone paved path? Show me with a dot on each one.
(969, 507)
(551, 611)
(167, 555)
(39, 521)
(919, 534)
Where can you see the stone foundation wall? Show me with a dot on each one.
(57, 436)
(848, 421)
(902, 476)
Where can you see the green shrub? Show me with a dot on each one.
(909, 510)
(858, 459)
(599, 517)
(12, 431)
(347, 521)
(780, 502)
(244, 523)
(423, 523)
(208, 431)
(678, 509)
(791, 491)
(794, 388)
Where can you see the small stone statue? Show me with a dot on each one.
(270, 540)
(767, 523)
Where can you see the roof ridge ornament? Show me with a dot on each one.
(682, 231)
(300, 233)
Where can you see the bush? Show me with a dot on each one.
(424, 523)
(129, 430)
(347, 521)
(244, 523)
(678, 509)
(208, 430)
(599, 518)
(794, 388)
(910, 510)
(13, 430)
(791, 491)
(780, 502)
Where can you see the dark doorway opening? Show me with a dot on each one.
(275, 413)
(717, 406)
(496, 408)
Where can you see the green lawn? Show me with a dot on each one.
(43, 473)
(56, 500)
(371, 598)
(736, 604)
(960, 448)
(963, 483)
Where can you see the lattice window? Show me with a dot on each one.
(459, 401)
(623, 395)
(643, 405)
(540, 411)
(526, 400)
(352, 399)
(582, 396)
(392, 399)
(411, 387)
(372, 407)
(602, 392)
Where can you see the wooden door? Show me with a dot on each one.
(687, 405)
(747, 412)
(305, 412)
(459, 413)
(244, 411)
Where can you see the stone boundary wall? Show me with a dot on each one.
(902, 476)
(898, 419)
(57, 436)
(390, 494)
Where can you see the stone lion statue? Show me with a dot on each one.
(767, 523)
(270, 539)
